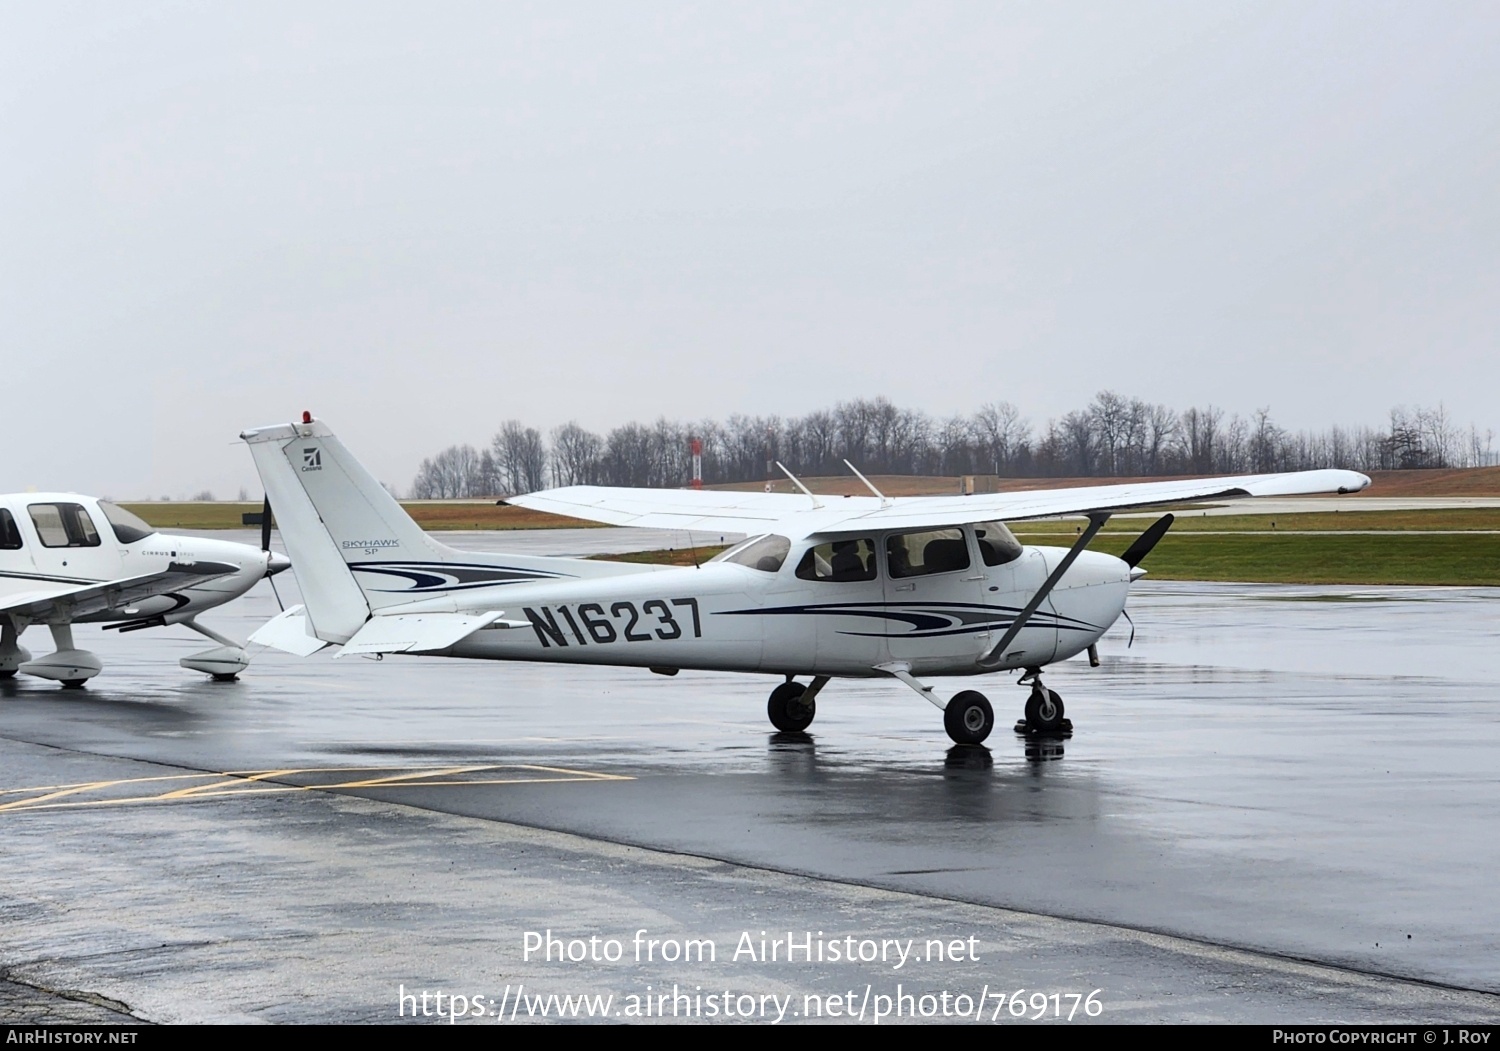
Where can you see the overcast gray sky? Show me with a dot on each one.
(420, 220)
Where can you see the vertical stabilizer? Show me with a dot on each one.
(340, 526)
(354, 549)
(336, 607)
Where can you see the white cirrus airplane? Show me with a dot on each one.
(825, 587)
(67, 559)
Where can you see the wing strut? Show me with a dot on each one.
(992, 660)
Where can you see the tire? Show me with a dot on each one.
(1044, 711)
(9, 673)
(968, 718)
(789, 713)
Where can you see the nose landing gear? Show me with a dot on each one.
(1044, 709)
(224, 663)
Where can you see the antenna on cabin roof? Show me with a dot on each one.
(799, 485)
(884, 500)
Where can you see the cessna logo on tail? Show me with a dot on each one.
(312, 459)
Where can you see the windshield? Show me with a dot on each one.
(128, 528)
(765, 553)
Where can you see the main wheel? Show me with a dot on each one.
(1044, 710)
(788, 711)
(968, 718)
(7, 673)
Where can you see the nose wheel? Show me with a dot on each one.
(1044, 710)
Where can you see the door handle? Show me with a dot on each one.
(906, 587)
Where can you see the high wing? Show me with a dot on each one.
(800, 515)
(70, 603)
(705, 510)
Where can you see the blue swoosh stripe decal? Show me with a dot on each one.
(447, 576)
(927, 619)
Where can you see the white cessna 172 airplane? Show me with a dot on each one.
(825, 587)
(67, 559)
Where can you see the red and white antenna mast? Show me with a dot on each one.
(696, 448)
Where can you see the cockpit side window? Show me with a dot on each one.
(931, 551)
(10, 533)
(839, 561)
(765, 553)
(128, 528)
(63, 525)
(997, 544)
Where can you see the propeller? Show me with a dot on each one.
(1139, 550)
(1146, 541)
(265, 525)
(265, 545)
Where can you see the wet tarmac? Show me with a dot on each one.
(1278, 805)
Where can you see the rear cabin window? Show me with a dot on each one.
(63, 525)
(919, 554)
(10, 535)
(840, 560)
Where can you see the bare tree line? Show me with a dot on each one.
(1113, 436)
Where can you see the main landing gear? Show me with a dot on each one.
(68, 665)
(968, 717)
(792, 706)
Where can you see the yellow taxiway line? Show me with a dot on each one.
(254, 782)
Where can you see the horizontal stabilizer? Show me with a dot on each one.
(288, 632)
(422, 632)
